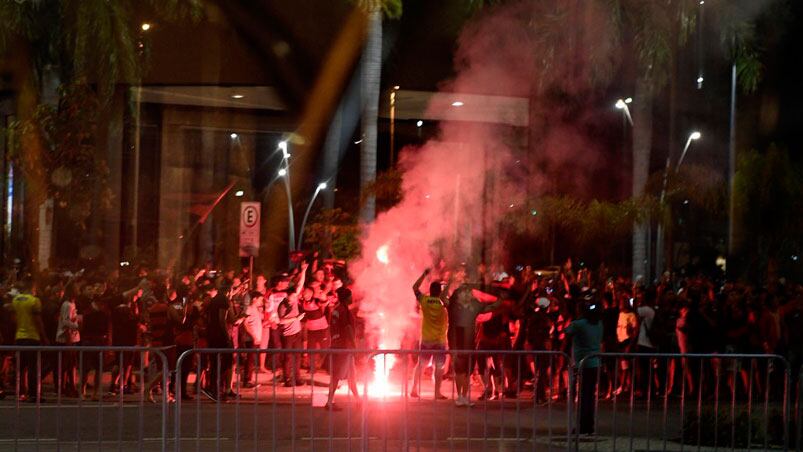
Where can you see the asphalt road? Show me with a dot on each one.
(277, 418)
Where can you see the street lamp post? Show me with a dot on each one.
(623, 105)
(318, 189)
(284, 173)
(659, 243)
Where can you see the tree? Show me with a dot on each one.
(768, 192)
(335, 233)
(385, 190)
(65, 56)
(371, 66)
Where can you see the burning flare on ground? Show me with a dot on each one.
(380, 386)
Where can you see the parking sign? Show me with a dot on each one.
(249, 228)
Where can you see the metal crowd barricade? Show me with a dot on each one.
(687, 401)
(383, 416)
(47, 417)
(797, 425)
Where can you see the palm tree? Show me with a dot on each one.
(738, 37)
(371, 66)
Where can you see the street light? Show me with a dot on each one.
(692, 137)
(283, 147)
(284, 173)
(659, 243)
(622, 104)
(318, 189)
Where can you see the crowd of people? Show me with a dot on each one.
(469, 318)
(532, 310)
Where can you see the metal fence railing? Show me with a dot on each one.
(674, 401)
(56, 405)
(252, 399)
(510, 403)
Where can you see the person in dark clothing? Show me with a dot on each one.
(125, 326)
(185, 340)
(534, 336)
(95, 333)
(163, 320)
(341, 327)
(586, 335)
(217, 336)
(465, 304)
(494, 334)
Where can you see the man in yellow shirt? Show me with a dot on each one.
(434, 325)
(30, 333)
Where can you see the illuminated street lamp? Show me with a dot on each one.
(318, 189)
(692, 137)
(622, 104)
(659, 243)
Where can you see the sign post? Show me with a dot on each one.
(250, 216)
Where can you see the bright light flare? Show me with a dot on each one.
(695, 135)
(457, 103)
(382, 254)
(380, 386)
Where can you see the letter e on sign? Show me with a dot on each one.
(249, 228)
